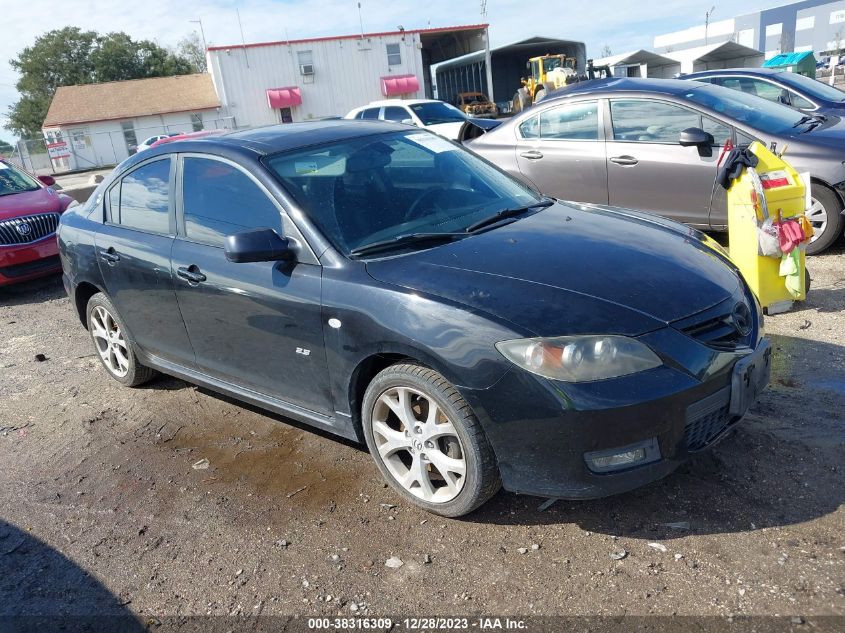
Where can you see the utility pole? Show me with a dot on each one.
(707, 17)
(488, 62)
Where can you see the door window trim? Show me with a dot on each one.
(611, 137)
(600, 131)
(789, 90)
(289, 228)
(171, 197)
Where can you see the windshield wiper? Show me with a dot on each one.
(814, 119)
(402, 240)
(508, 213)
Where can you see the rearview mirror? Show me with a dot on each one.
(695, 136)
(259, 245)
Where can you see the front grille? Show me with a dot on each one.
(706, 419)
(716, 327)
(30, 268)
(27, 229)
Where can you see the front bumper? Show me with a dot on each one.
(541, 430)
(29, 261)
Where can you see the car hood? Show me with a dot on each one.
(42, 200)
(572, 270)
(449, 130)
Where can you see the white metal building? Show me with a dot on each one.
(643, 63)
(297, 80)
(97, 125)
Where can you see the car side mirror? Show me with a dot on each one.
(696, 136)
(259, 245)
(408, 122)
(47, 180)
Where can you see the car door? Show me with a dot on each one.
(133, 252)
(561, 151)
(254, 325)
(648, 169)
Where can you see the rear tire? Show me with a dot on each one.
(427, 442)
(113, 344)
(825, 214)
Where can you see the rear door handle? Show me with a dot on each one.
(625, 161)
(109, 256)
(532, 154)
(192, 274)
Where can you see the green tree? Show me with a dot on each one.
(191, 48)
(5, 148)
(71, 56)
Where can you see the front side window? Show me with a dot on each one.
(366, 190)
(800, 102)
(572, 122)
(218, 199)
(720, 131)
(648, 121)
(141, 200)
(394, 55)
(395, 113)
(13, 180)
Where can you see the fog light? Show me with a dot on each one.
(623, 456)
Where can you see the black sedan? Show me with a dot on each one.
(619, 142)
(797, 91)
(389, 286)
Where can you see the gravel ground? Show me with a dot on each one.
(106, 504)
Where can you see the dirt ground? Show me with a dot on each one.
(103, 511)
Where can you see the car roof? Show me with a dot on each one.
(286, 136)
(616, 85)
(389, 102)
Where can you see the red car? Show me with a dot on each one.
(29, 215)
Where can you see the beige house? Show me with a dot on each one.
(99, 125)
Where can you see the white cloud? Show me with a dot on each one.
(622, 24)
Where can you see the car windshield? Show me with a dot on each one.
(378, 188)
(811, 87)
(434, 112)
(13, 180)
(760, 114)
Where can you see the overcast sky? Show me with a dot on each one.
(621, 24)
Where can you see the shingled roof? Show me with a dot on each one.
(129, 99)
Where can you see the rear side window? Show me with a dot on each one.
(141, 200)
(370, 113)
(395, 113)
(573, 122)
(650, 121)
(219, 200)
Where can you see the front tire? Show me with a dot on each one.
(427, 442)
(112, 343)
(825, 214)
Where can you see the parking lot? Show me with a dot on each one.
(171, 500)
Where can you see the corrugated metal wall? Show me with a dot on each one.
(347, 74)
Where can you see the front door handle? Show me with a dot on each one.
(109, 255)
(625, 161)
(532, 154)
(192, 274)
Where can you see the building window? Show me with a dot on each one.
(394, 55)
(196, 121)
(129, 136)
(306, 62)
(806, 23)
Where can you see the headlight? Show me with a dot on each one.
(580, 358)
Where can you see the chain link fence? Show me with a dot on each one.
(80, 150)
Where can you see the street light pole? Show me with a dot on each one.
(707, 22)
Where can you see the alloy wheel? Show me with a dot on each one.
(419, 445)
(817, 215)
(110, 342)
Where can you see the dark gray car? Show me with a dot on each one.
(619, 142)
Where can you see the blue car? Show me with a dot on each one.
(386, 285)
(791, 89)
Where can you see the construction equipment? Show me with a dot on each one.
(551, 72)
